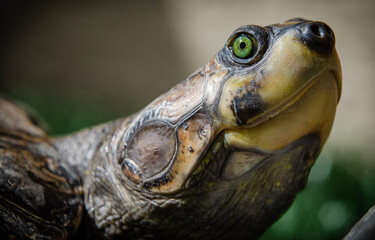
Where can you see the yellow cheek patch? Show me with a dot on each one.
(312, 113)
(289, 68)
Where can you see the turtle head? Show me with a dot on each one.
(266, 89)
(283, 90)
(234, 143)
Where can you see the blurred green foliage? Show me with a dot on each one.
(61, 114)
(339, 191)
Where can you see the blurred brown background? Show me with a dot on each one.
(116, 56)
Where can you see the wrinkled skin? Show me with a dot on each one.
(220, 156)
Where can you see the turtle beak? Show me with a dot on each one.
(319, 37)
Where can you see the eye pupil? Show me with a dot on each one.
(242, 47)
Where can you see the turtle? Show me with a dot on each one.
(221, 155)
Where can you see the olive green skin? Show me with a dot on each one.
(107, 190)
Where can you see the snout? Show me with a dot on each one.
(318, 36)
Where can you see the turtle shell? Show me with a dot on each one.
(40, 197)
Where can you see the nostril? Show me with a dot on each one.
(318, 36)
(315, 29)
(321, 29)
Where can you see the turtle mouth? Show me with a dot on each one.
(271, 113)
(310, 110)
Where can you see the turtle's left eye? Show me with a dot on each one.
(245, 46)
(242, 47)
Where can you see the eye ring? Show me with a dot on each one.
(259, 38)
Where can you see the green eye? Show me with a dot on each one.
(242, 47)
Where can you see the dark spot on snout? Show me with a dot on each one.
(246, 105)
